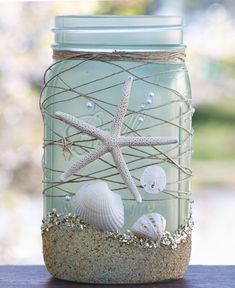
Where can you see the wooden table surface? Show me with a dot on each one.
(196, 277)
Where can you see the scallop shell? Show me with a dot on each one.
(100, 207)
(153, 179)
(150, 226)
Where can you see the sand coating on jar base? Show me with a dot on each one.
(89, 256)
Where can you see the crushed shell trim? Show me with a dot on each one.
(171, 240)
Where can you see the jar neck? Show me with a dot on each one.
(122, 33)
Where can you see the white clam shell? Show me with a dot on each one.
(150, 226)
(100, 207)
(153, 179)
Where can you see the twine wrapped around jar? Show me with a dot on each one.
(167, 57)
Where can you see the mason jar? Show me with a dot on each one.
(117, 110)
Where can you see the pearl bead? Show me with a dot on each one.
(151, 94)
(141, 119)
(67, 198)
(149, 101)
(90, 106)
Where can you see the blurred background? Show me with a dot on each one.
(25, 39)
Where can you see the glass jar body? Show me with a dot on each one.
(90, 88)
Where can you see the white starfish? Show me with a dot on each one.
(112, 141)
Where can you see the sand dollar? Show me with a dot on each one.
(153, 179)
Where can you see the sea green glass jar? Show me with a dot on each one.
(117, 113)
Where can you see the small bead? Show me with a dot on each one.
(142, 106)
(90, 106)
(148, 101)
(141, 119)
(151, 94)
(67, 198)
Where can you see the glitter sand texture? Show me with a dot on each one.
(77, 252)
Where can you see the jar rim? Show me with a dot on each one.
(73, 21)
(122, 32)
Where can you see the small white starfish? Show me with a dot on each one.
(112, 141)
